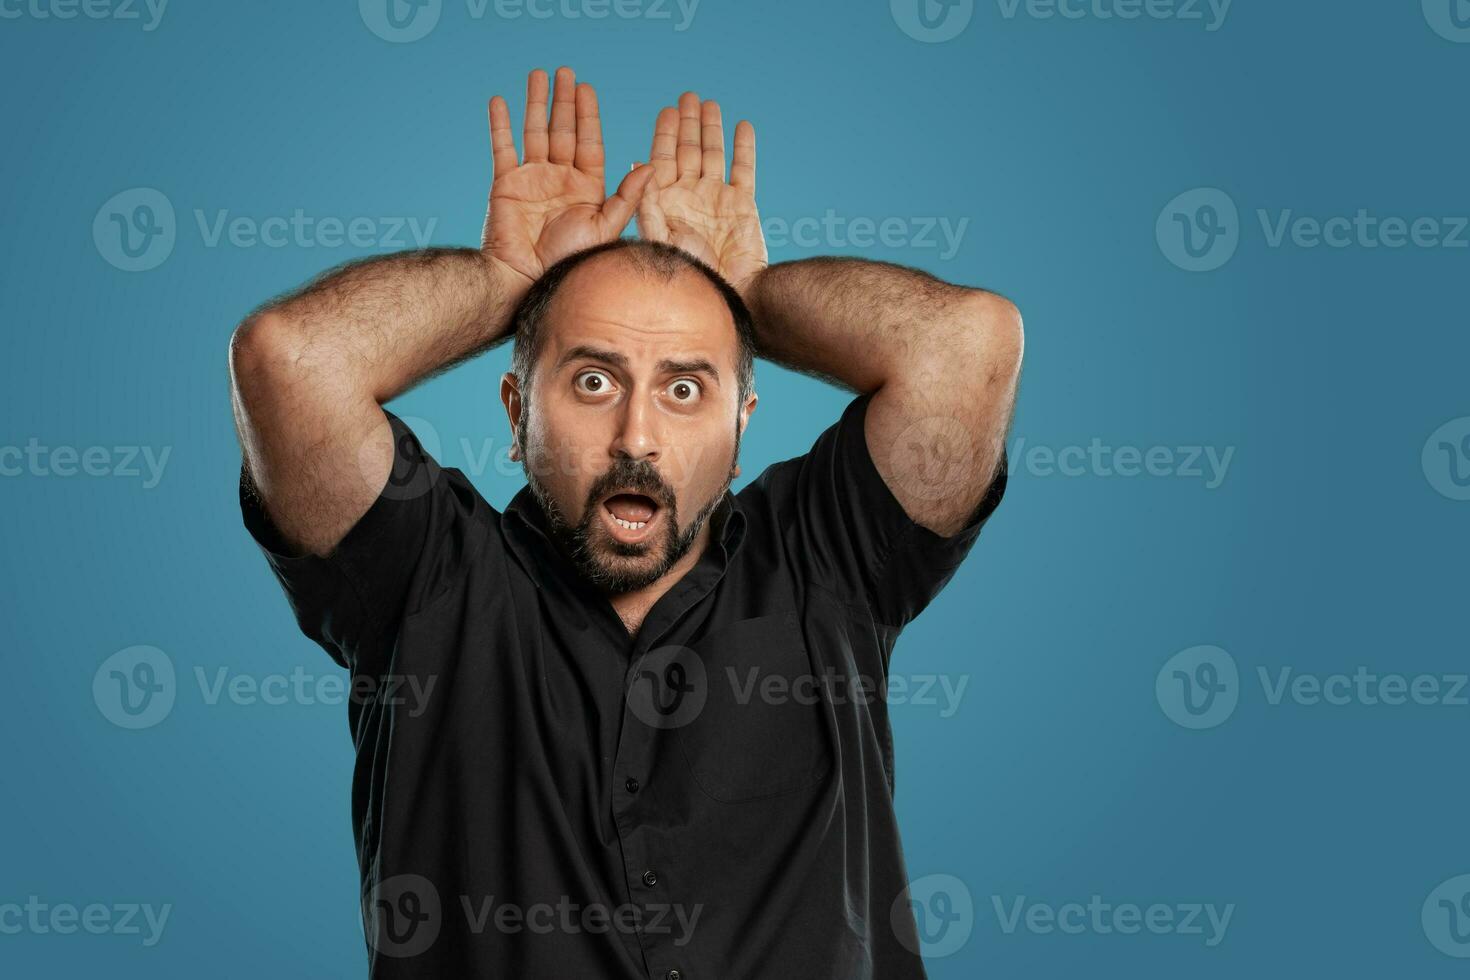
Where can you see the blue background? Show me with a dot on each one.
(1060, 775)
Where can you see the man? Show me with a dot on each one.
(649, 743)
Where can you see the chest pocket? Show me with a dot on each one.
(762, 731)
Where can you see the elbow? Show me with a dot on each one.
(265, 350)
(992, 333)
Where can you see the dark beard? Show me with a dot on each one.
(596, 558)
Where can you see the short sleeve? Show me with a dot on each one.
(855, 537)
(407, 547)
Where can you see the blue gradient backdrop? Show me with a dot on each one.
(1051, 147)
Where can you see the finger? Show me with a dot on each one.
(564, 117)
(533, 139)
(687, 154)
(589, 158)
(618, 210)
(742, 165)
(665, 140)
(712, 141)
(651, 223)
(502, 143)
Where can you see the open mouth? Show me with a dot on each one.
(630, 517)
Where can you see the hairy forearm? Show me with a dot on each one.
(384, 324)
(309, 373)
(941, 361)
(864, 324)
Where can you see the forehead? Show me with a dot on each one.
(610, 303)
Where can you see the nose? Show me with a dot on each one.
(638, 435)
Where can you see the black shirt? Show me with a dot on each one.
(539, 794)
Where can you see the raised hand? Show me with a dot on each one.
(689, 204)
(551, 204)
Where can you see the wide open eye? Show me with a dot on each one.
(592, 382)
(685, 391)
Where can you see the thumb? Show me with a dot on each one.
(617, 210)
(652, 225)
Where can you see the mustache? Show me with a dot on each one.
(632, 476)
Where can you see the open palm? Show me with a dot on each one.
(551, 204)
(690, 204)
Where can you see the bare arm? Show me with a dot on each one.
(941, 361)
(309, 373)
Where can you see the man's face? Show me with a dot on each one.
(630, 430)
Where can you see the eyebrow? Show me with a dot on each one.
(695, 365)
(584, 352)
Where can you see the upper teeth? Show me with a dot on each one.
(631, 525)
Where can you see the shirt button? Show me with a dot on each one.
(673, 975)
(631, 785)
(650, 879)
